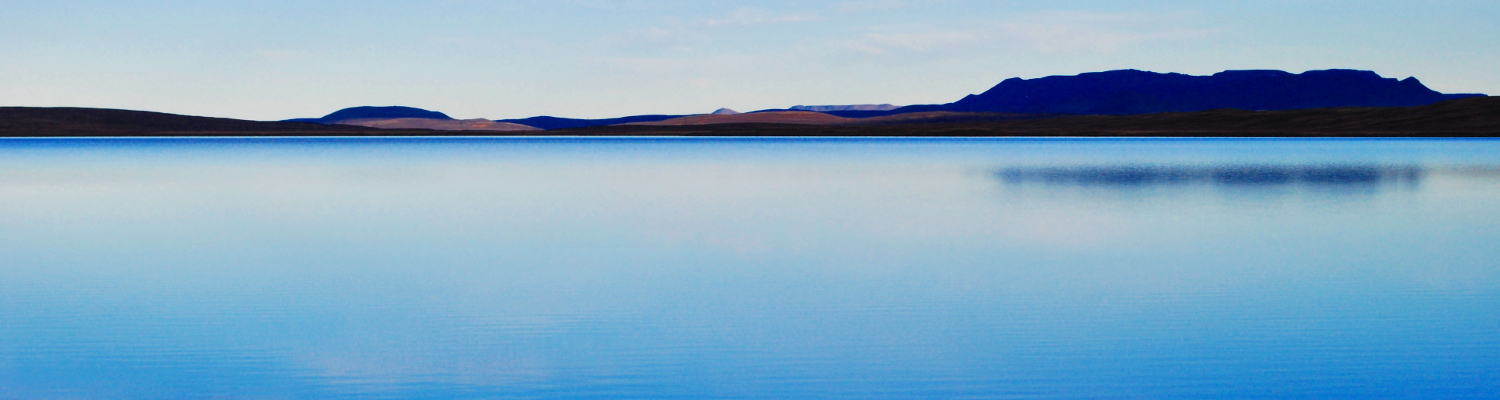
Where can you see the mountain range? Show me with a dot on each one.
(1125, 102)
(1121, 92)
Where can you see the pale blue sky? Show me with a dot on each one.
(595, 58)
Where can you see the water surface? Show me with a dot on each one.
(749, 268)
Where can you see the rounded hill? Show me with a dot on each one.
(367, 112)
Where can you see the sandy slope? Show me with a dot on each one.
(771, 117)
(479, 124)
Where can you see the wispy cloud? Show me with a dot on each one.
(725, 65)
(688, 35)
(879, 43)
(754, 16)
(684, 58)
(876, 5)
(672, 37)
(1046, 33)
(1064, 32)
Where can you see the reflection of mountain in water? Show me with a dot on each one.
(1337, 176)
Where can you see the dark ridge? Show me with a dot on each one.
(550, 123)
(39, 122)
(367, 112)
(940, 117)
(1133, 92)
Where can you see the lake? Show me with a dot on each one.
(747, 268)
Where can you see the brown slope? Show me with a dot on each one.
(479, 124)
(769, 117)
(930, 117)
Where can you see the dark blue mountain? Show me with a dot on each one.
(550, 123)
(374, 112)
(1142, 92)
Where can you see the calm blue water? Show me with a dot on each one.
(749, 268)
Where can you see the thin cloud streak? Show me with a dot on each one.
(694, 35)
(754, 17)
(694, 64)
(877, 5)
(1050, 33)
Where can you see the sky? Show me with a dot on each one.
(280, 59)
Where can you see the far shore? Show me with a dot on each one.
(1471, 117)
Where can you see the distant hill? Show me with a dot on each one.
(353, 113)
(397, 117)
(1127, 92)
